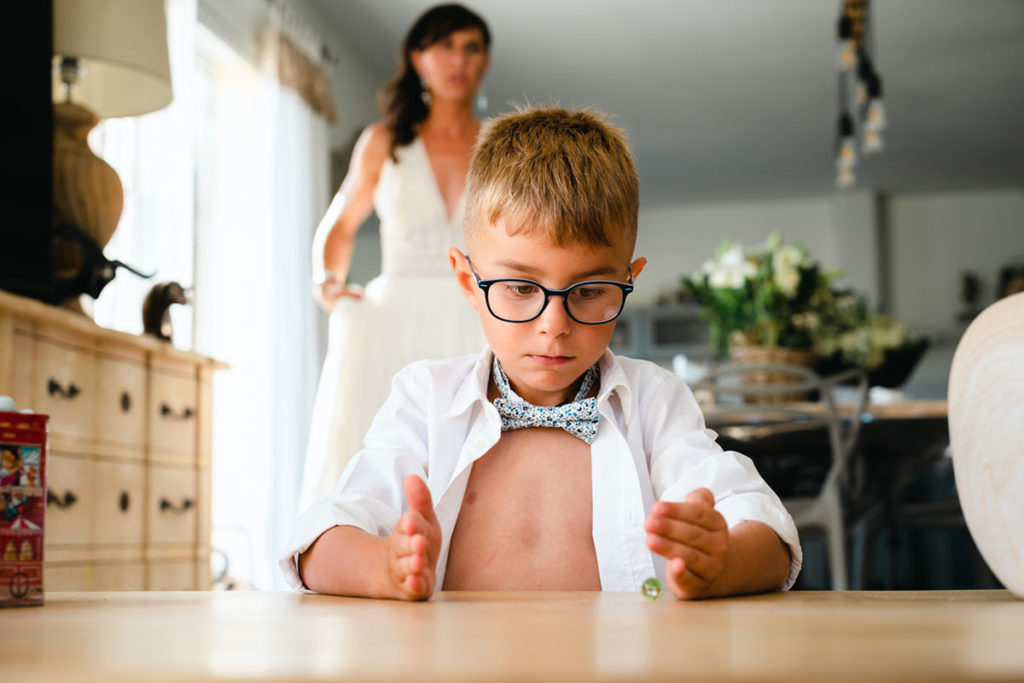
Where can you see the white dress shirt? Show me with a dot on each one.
(651, 445)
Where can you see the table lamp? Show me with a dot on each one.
(110, 59)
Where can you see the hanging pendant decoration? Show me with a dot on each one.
(861, 109)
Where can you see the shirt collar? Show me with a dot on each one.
(474, 386)
(614, 381)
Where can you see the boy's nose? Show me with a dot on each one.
(555, 320)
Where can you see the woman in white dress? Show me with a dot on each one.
(411, 168)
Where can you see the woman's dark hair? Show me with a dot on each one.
(401, 100)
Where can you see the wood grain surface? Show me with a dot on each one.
(796, 636)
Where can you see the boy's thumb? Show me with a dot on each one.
(418, 496)
(701, 495)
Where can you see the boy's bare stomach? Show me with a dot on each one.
(526, 518)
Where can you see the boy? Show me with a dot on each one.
(545, 463)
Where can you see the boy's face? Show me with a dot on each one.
(544, 357)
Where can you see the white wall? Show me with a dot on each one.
(677, 239)
(907, 251)
(934, 238)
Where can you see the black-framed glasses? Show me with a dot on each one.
(516, 300)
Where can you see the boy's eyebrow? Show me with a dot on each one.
(530, 270)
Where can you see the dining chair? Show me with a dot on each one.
(790, 422)
(922, 500)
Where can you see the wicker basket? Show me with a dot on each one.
(750, 354)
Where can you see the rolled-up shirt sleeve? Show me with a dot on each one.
(684, 456)
(369, 495)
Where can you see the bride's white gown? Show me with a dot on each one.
(412, 310)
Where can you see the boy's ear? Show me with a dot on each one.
(637, 266)
(463, 275)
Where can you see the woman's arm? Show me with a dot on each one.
(335, 236)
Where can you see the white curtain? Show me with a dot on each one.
(153, 156)
(262, 185)
(223, 189)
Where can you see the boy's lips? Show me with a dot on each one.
(549, 360)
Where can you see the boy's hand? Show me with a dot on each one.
(414, 545)
(694, 537)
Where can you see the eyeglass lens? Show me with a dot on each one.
(588, 302)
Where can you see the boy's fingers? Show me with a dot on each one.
(428, 534)
(699, 562)
(412, 563)
(418, 586)
(685, 533)
(695, 513)
(683, 582)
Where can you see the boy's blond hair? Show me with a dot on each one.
(566, 173)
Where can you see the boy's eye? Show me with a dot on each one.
(520, 289)
(590, 292)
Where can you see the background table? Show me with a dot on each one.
(796, 636)
(898, 443)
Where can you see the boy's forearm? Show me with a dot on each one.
(345, 560)
(758, 561)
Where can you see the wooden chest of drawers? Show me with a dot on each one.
(130, 429)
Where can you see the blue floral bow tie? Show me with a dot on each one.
(579, 418)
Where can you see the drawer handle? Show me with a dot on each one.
(126, 402)
(63, 503)
(54, 388)
(124, 501)
(166, 505)
(167, 411)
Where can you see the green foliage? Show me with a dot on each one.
(779, 297)
(758, 297)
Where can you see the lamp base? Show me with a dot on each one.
(86, 190)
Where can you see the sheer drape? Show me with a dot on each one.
(153, 156)
(223, 189)
(263, 176)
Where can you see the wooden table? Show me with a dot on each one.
(797, 636)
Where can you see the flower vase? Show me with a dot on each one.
(756, 354)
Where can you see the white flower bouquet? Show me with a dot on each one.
(766, 298)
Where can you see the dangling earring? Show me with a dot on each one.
(425, 92)
(481, 101)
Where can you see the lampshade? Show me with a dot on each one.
(121, 46)
(113, 55)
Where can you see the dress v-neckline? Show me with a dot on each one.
(449, 214)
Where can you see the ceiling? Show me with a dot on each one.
(737, 100)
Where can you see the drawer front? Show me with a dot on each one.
(22, 360)
(205, 507)
(121, 402)
(95, 577)
(172, 576)
(173, 505)
(119, 514)
(119, 577)
(77, 577)
(173, 414)
(70, 501)
(64, 388)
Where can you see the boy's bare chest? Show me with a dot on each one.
(526, 517)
